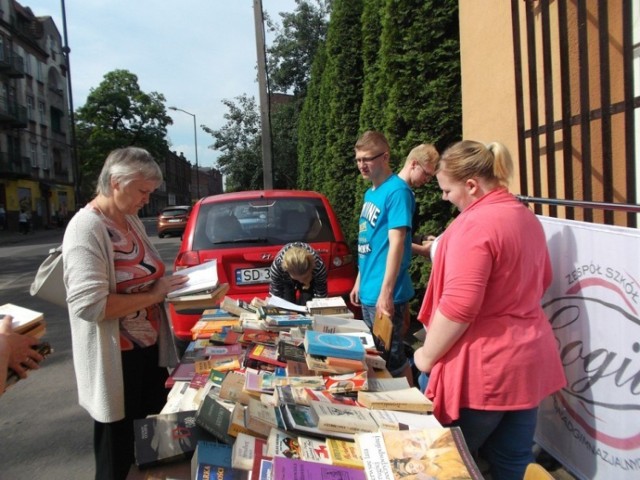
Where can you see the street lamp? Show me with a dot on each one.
(195, 140)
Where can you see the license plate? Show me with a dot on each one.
(175, 220)
(247, 276)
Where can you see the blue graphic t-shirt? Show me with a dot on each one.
(390, 205)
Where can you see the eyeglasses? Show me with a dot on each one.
(369, 159)
(427, 174)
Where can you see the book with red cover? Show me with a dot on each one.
(258, 336)
(266, 354)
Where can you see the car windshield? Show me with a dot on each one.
(262, 221)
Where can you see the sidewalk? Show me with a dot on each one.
(12, 237)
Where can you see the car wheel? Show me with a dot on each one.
(161, 235)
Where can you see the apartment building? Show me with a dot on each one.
(36, 169)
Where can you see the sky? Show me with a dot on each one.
(194, 52)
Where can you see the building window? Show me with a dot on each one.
(45, 157)
(27, 64)
(56, 120)
(43, 118)
(39, 73)
(34, 154)
(31, 107)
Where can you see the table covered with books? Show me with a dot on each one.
(263, 392)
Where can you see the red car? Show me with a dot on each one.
(244, 231)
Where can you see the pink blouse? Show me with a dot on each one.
(491, 270)
(137, 268)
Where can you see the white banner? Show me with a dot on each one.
(593, 426)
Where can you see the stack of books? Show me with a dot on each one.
(256, 391)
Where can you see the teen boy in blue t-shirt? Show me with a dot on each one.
(384, 245)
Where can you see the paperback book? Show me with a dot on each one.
(166, 437)
(292, 469)
(437, 453)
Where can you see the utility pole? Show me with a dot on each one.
(265, 117)
(72, 121)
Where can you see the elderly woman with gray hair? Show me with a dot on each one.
(116, 286)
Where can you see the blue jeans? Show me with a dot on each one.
(397, 361)
(504, 439)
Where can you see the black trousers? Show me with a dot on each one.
(144, 394)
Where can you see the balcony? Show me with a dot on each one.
(12, 65)
(12, 115)
(13, 165)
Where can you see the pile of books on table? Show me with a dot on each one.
(268, 393)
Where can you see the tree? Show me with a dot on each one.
(289, 62)
(239, 142)
(118, 114)
(295, 45)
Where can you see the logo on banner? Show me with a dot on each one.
(602, 363)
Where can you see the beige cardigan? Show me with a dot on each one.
(89, 277)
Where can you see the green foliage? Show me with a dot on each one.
(118, 114)
(239, 142)
(296, 44)
(386, 65)
(342, 88)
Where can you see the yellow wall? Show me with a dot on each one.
(489, 96)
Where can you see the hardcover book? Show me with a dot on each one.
(333, 345)
(166, 437)
(408, 399)
(291, 469)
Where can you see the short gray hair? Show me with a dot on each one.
(124, 165)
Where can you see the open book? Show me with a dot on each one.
(24, 319)
(202, 278)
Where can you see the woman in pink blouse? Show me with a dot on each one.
(490, 352)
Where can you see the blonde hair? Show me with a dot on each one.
(425, 154)
(298, 261)
(468, 159)
(371, 140)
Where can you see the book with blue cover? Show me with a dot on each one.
(333, 345)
